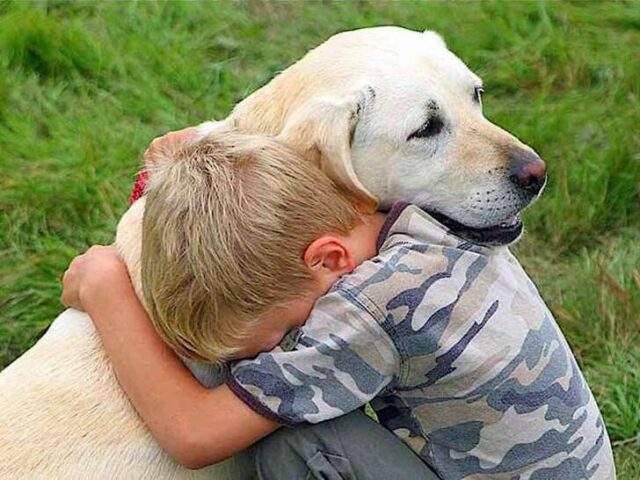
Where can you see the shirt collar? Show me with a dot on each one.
(392, 216)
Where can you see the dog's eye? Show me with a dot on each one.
(477, 94)
(432, 127)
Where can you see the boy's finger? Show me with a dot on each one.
(168, 142)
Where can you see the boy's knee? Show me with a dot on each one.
(351, 446)
(300, 453)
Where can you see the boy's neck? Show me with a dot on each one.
(363, 238)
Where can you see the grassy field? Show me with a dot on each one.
(85, 86)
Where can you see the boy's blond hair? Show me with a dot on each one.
(227, 220)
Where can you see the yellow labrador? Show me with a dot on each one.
(389, 114)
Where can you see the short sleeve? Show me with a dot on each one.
(342, 360)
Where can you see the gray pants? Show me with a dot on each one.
(351, 447)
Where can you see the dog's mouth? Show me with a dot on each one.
(504, 233)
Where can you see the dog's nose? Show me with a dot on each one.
(528, 171)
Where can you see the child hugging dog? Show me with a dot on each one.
(246, 244)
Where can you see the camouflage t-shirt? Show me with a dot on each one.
(457, 352)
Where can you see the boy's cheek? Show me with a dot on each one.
(272, 342)
(259, 342)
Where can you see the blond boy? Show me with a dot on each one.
(449, 340)
(226, 224)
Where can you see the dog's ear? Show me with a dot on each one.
(322, 130)
(162, 147)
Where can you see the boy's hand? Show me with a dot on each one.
(159, 149)
(196, 426)
(93, 277)
(168, 143)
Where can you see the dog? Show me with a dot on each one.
(389, 114)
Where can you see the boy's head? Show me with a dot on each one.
(236, 227)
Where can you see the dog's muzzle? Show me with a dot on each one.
(528, 172)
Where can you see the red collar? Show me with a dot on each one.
(138, 187)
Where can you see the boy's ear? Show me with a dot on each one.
(329, 255)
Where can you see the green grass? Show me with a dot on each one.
(85, 86)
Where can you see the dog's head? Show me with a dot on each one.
(391, 114)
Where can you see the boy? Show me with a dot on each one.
(449, 340)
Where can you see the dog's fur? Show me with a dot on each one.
(389, 114)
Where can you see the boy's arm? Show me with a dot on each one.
(342, 359)
(195, 425)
